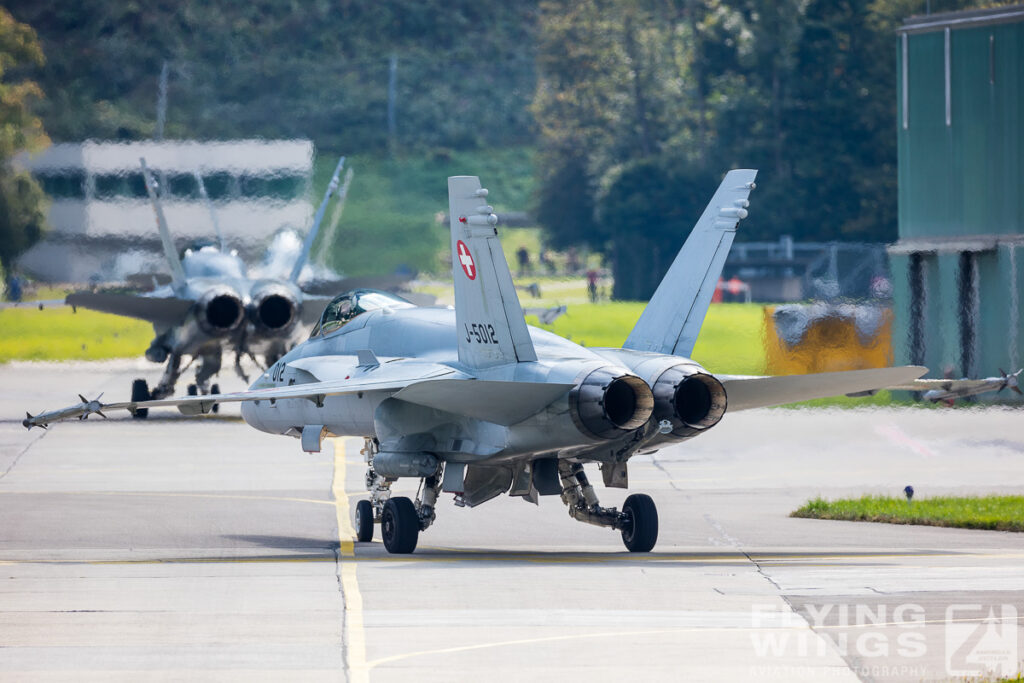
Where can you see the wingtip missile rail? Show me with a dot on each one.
(80, 410)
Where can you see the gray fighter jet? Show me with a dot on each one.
(212, 305)
(474, 402)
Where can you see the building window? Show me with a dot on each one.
(121, 186)
(63, 185)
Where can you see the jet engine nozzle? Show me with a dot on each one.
(220, 311)
(609, 403)
(688, 398)
(274, 309)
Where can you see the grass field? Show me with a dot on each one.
(728, 343)
(59, 334)
(998, 513)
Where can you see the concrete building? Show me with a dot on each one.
(102, 225)
(957, 265)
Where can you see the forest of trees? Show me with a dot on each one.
(636, 107)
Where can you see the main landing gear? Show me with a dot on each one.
(638, 520)
(208, 367)
(401, 519)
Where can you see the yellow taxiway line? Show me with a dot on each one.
(354, 630)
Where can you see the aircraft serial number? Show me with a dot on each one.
(480, 333)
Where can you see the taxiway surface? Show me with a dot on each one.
(203, 549)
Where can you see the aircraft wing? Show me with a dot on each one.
(157, 310)
(746, 392)
(427, 384)
(392, 377)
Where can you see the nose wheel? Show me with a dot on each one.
(364, 521)
(140, 393)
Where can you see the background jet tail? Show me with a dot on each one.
(213, 212)
(673, 318)
(307, 246)
(170, 253)
(489, 319)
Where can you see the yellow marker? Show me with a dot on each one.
(355, 635)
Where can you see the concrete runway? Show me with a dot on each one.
(204, 550)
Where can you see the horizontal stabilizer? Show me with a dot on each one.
(745, 393)
(504, 403)
(157, 310)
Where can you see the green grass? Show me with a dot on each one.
(729, 342)
(998, 513)
(60, 334)
(391, 214)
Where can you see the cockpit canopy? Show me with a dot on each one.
(347, 306)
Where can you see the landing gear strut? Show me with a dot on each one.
(400, 518)
(638, 520)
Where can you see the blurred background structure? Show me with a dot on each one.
(102, 226)
(957, 264)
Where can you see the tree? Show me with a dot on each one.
(21, 199)
(276, 68)
(627, 118)
(647, 221)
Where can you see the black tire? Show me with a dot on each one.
(215, 389)
(364, 521)
(193, 390)
(641, 532)
(400, 526)
(140, 392)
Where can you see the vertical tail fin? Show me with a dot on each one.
(489, 320)
(673, 318)
(332, 224)
(300, 262)
(213, 213)
(170, 253)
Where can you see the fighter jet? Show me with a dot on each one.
(473, 402)
(212, 305)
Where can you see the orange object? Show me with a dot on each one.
(828, 340)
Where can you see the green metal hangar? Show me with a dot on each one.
(958, 267)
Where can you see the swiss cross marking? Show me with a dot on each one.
(466, 259)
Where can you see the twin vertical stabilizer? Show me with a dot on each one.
(170, 253)
(489, 320)
(673, 318)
